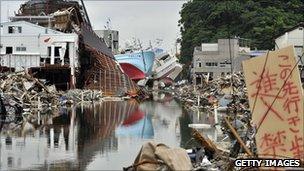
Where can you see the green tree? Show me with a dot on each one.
(257, 20)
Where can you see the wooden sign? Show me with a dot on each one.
(276, 101)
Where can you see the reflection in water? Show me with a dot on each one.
(142, 128)
(106, 135)
(97, 125)
(186, 132)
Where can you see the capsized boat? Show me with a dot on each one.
(178, 69)
(166, 67)
(137, 65)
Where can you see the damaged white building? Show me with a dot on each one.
(25, 45)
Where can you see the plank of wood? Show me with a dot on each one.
(238, 138)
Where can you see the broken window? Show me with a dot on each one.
(20, 49)
(211, 63)
(9, 50)
(19, 29)
(10, 29)
(49, 51)
(14, 29)
(57, 51)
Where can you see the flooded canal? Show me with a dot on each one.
(99, 136)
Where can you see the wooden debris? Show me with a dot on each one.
(238, 138)
(206, 142)
(37, 81)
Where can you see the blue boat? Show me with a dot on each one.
(142, 61)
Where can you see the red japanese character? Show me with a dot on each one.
(289, 89)
(272, 143)
(289, 101)
(285, 71)
(266, 83)
(294, 121)
(297, 147)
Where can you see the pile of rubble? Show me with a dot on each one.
(21, 94)
(209, 93)
(27, 93)
(235, 121)
(77, 95)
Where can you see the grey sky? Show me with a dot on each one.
(145, 20)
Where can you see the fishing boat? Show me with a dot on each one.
(166, 67)
(177, 69)
(137, 65)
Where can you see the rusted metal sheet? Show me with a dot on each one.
(105, 75)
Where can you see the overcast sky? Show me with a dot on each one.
(145, 20)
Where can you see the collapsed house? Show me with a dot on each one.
(55, 42)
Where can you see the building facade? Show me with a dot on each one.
(24, 45)
(111, 38)
(213, 59)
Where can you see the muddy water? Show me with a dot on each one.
(99, 136)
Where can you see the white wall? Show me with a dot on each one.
(34, 38)
(294, 37)
(37, 41)
(27, 28)
(210, 47)
(19, 62)
(36, 44)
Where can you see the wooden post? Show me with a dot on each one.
(238, 138)
(39, 104)
(198, 100)
(99, 80)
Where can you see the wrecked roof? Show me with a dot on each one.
(44, 7)
(301, 24)
(91, 39)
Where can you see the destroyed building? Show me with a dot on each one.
(31, 46)
(111, 38)
(55, 42)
